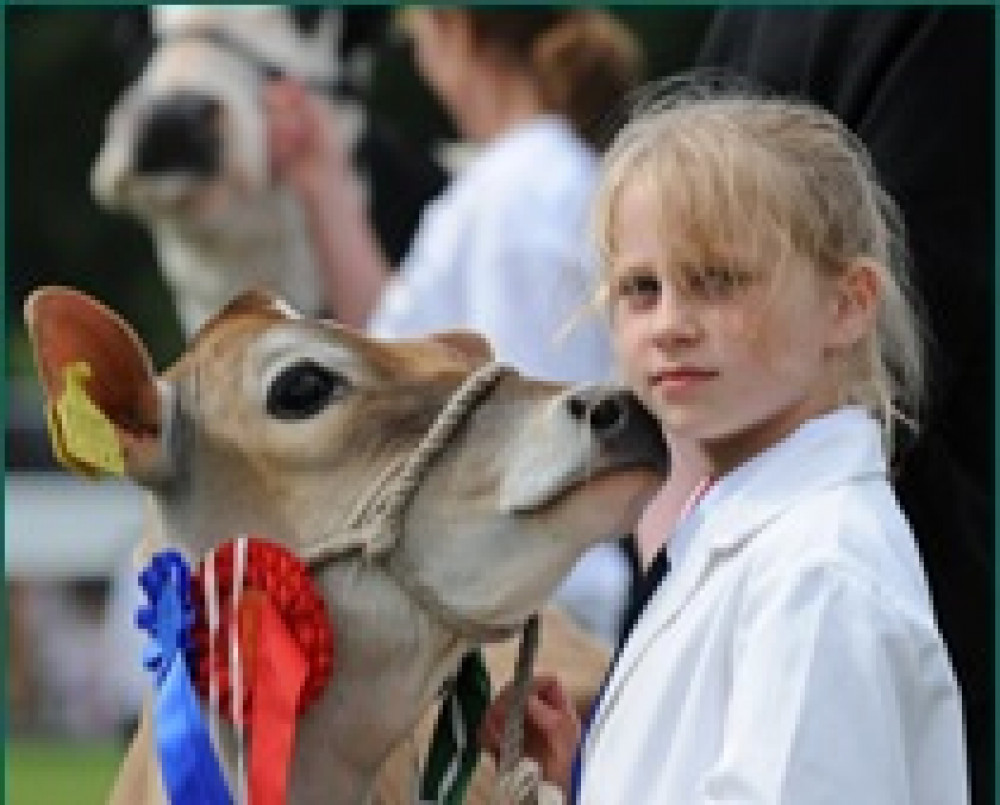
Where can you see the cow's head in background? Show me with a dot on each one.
(185, 149)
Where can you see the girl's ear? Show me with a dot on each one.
(857, 293)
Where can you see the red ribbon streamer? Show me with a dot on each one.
(286, 650)
(279, 676)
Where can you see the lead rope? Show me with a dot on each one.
(518, 779)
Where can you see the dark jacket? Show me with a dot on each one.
(916, 85)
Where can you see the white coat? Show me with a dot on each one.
(503, 251)
(791, 656)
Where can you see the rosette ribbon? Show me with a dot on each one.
(189, 765)
(275, 614)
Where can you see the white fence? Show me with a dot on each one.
(58, 525)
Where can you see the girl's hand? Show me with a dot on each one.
(305, 145)
(551, 728)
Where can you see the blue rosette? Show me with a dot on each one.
(189, 765)
(169, 616)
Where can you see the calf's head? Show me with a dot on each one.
(278, 425)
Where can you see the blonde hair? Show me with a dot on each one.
(777, 182)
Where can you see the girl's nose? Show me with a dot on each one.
(675, 319)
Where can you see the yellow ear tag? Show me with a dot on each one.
(83, 438)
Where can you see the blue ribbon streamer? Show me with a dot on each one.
(188, 763)
(189, 767)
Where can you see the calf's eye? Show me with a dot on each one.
(304, 389)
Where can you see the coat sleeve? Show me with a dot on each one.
(836, 697)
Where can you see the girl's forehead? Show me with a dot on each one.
(652, 214)
(699, 213)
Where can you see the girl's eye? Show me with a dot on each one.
(716, 282)
(638, 291)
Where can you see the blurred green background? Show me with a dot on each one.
(53, 772)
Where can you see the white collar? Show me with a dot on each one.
(825, 451)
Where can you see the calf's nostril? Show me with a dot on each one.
(577, 408)
(607, 415)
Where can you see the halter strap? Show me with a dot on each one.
(266, 68)
(376, 526)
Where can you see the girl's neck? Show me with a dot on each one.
(688, 475)
(725, 455)
(696, 464)
(505, 99)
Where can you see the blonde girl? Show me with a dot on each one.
(756, 282)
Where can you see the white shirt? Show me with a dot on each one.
(503, 251)
(791, 657)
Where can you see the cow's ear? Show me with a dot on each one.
(306, 18)
(466, 343)
(78, 341)
(131, 36)
(364, 27)
(256, 301)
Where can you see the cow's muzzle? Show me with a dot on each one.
(625, 430)
(181, 133)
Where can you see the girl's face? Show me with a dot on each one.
(712, 350)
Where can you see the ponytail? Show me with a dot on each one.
(586, 65)
(584, 60)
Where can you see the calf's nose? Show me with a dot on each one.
(180, 134)
(606, 412)
(626, 432)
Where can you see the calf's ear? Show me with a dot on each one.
(78, 341)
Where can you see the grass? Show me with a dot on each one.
(44, 773)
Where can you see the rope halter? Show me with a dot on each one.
(266, 68)
(375, 527)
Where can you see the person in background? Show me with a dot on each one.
(501, 251)
(757, 281)
(917, 85)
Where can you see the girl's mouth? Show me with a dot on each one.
(681, 379)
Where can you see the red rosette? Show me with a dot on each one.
(274, 574)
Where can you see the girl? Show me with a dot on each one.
(757, 286)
